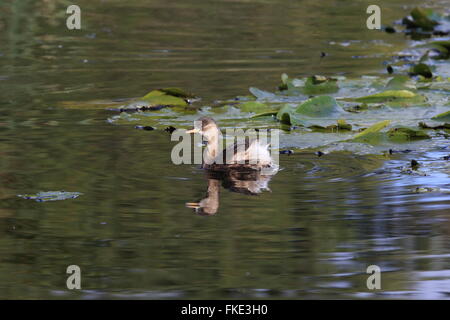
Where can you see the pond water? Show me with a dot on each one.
(325, 220)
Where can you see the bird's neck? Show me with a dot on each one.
(212, 148)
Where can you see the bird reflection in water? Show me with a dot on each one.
(245, 182)
(249, 171)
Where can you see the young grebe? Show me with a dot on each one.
(249, 156)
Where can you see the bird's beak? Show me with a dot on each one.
(193, 205)
(194, 130)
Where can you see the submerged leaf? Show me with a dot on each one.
(90, 105)
(50, 196)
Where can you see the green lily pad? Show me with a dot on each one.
(401, 134)
(254, 106)
(391, 97)
(445, 126)
(139, 118)
(445, 116)
(441, 47)
(316, 85)
(421, 18)
(400, 82)
(421, 69)
(177, 92)
(371, 134)
(265, 114)
(286, 115)
(341, 126)
(317, 107)
(161, 98)
(322, 106)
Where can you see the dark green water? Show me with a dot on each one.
(313, 236)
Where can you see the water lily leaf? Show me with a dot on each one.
(50, 196)
(319, 85)
(265, 114)
(400, 82)
(393, 97)
(140, 118)
(442, 47)
(287, 115)
(161, 98)
(421, 18)
(430, 189)
(421, 69)
(140, 105)
(371, 134)
(401, 134)
(445, 116)
(341, 126)
(436, 85)
(177, 92)
(445, 126)
(261, 94)
(317, 107)
(254, 106)
(322, 106)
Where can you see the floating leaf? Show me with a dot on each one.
(265, 114)
(261, 94)
(161, 98)
(442, 47)
(341, 126)
(371, 134)
(254, 106)
(322, 106)
(444, 126)
(317, 107)
(430, 189)
(406, 134)
(400, 82)
(140, 118)
(51, 196)
(393, 97)
(319, 85)
(177, 92)
(445, 116)
(286, 115)
(421, 18)
(421, 69)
